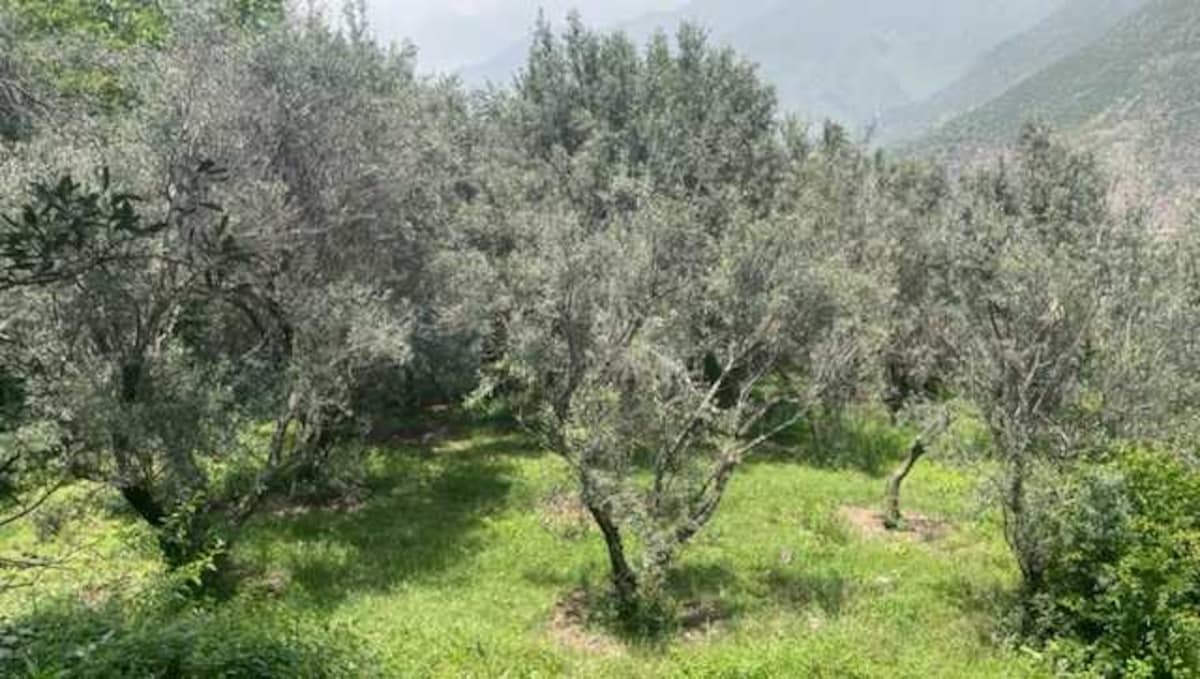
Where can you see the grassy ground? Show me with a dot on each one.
(463, 558)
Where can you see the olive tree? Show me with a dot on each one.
(886, 221)
(1144, 381)
(646, 353)
(655, 319)
(97, 346)
(65, 232)
(592, 120)
(1033, 274)
(279, 262)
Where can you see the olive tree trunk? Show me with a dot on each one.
(624, 579)
(892, 518)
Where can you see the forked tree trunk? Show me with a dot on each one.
(892, 518)
(179, 544)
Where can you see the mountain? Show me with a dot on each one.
(853, 60)
(1133, 96)
(850, 60)
(1070, 28)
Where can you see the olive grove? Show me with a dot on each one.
(239, 241)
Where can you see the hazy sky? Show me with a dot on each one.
(455, 33)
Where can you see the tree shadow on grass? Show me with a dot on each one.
(830, 592)
(422, 517)
(698, 603)
(705, 600)
(991, 608)
(700, 580)
(454, 427)
(861, 441)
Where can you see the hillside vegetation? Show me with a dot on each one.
(1129, 95)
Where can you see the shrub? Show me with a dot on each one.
(71, 641)
(1122, 587)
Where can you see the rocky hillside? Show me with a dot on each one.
(1133, 95)
(1069, 29)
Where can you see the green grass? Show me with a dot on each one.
(458, 559)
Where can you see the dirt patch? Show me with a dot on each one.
(352, 501)
(95, 596)
(435, 426)
(422, 438)
(868, 523)
(572, 626)
(276, 582)
(702, 620)
(569, 627)
(260, 582)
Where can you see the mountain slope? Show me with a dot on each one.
(852, 61)
(1133, 95)
(844, 59)
(1072, 27)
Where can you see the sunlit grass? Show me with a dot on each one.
(459, 555)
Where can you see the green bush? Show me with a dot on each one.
(1121, 591)
(73, 641)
